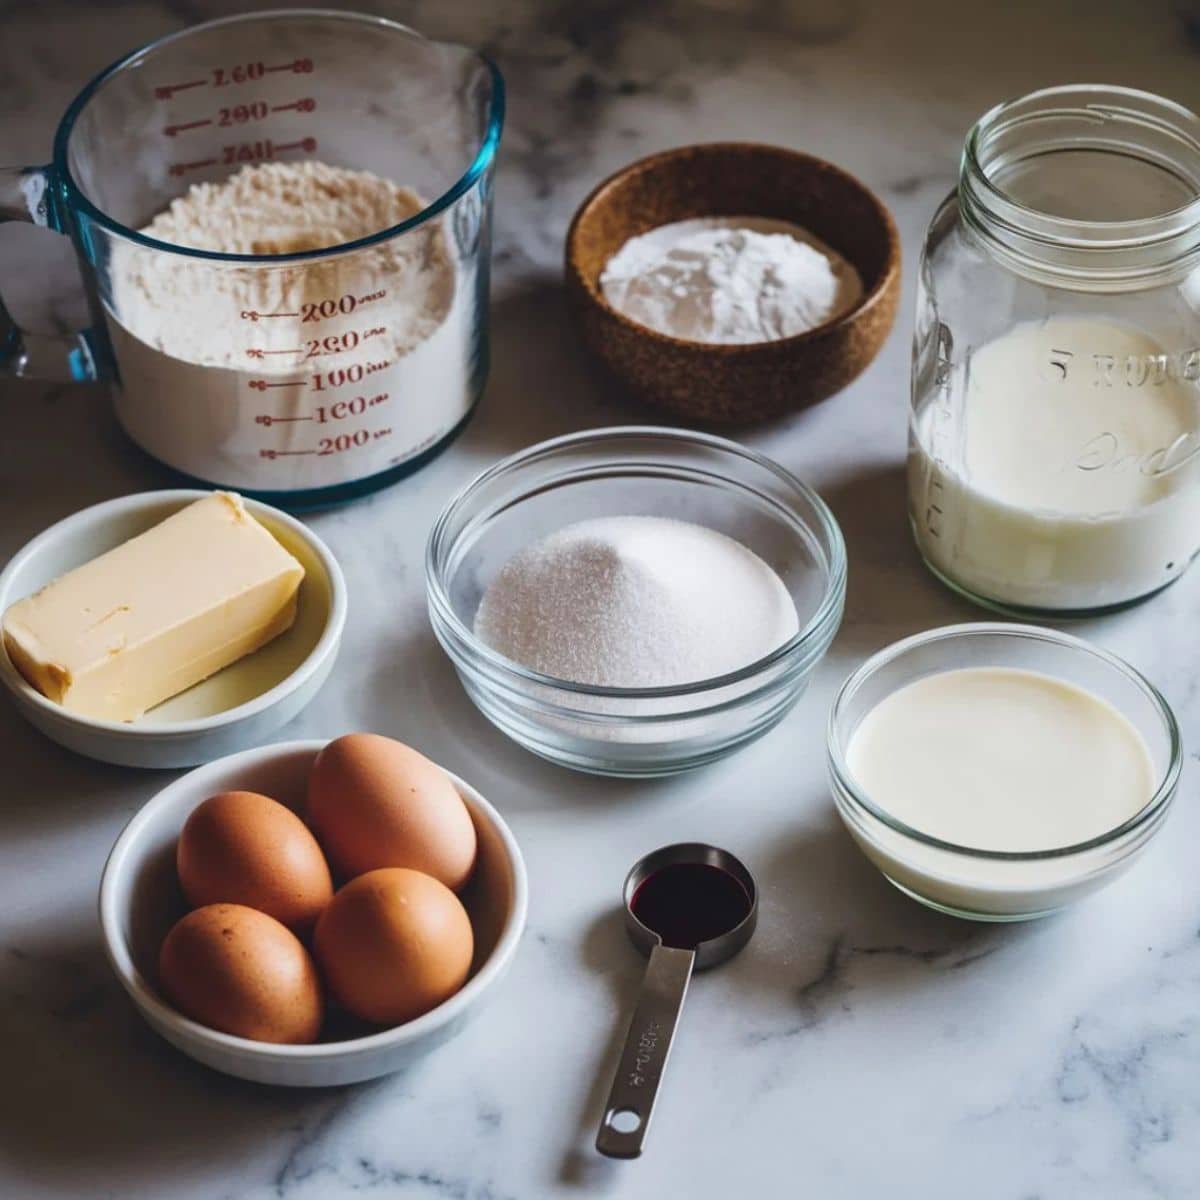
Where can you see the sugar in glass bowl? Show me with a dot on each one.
(649, 471)
(995, 885)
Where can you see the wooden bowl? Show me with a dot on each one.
(730, 384)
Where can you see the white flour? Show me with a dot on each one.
(636, 602)
(729, 280)
(256, 376)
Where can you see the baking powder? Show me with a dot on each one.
(730, 280)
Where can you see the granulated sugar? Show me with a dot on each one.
(636, 602)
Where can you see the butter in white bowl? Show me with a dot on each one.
(240, 705)
(157, 614)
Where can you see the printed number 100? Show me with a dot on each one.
(322, 381)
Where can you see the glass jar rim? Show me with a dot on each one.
(78, 200)
(1124, 250)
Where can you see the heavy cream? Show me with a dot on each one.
(1066, 476)
(1004, 761)
(999, 758)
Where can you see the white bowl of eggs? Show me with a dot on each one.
(313, 913)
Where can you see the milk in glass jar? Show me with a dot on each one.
(1054, 449)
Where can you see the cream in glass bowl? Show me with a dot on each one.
(999, 772)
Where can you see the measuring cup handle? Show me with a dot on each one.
(630, 1104)
(26, 194)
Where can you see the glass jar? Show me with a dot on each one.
(1054, 448)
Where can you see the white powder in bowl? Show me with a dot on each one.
(636, 602)
(195, 312)
(726, 280)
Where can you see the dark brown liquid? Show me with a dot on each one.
(690, 903)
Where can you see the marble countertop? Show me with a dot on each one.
(861, 1045)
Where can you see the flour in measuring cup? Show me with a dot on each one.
(292, 375)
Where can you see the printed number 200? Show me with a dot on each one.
(239, 114)
(343, 441)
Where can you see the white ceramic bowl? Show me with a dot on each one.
(140, 900)
(239, 706)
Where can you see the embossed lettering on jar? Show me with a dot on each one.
(1054, 461)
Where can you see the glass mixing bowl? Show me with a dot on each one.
(635, 471)
(994, 885)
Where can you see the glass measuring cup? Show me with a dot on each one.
(302, 374)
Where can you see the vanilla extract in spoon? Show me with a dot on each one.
(688, 906)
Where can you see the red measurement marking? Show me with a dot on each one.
(261, 385)
(282, 453)
(305, 105)
(239, 114)
(381, 433)
(263, 353)
(308, 145)
(268, 420)
(379, 295)
(377, 366)
(339, 410)
(172, 130)
(263, 150)
(322, 310)
(169, 89)
(180, 168)
(247, 152)
(300, 66)
(241, 73)
(249, 314)
(370, 333)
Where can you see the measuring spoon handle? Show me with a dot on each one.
(644, 1057)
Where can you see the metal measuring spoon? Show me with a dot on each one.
(689, 906)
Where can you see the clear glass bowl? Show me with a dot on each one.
(650, 471)
(990, 885)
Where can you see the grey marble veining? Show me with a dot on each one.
(861, 1046)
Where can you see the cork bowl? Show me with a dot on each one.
(734, 384)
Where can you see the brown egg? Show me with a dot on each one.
(243, 848)
(393, 944)
(235, 969)
(374, 802)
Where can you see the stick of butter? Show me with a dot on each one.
(150, 618)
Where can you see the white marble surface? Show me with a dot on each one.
(860, 1046)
